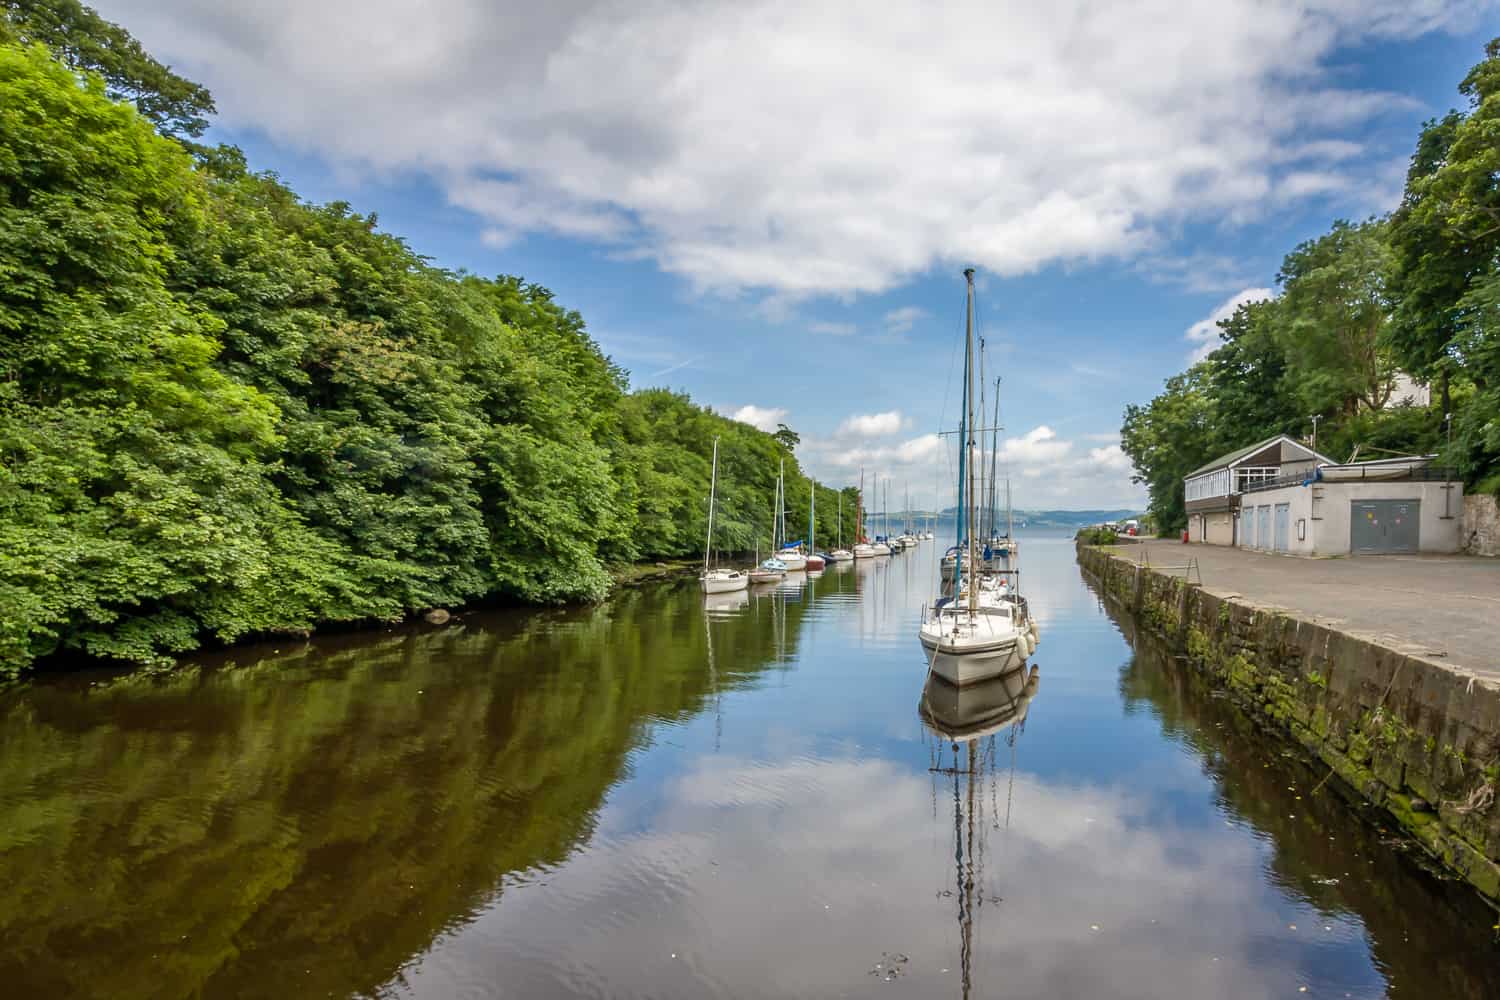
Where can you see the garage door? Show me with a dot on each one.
(1263, 527)
(1283, 527)
(1384, 525)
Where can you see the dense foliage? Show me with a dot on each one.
(1417, 293)
(225, 411)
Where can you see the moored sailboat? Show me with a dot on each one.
(717, 580)
(967, 642)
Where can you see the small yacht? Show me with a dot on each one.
(770, 571)
(717, 580)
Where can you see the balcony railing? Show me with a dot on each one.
(1373, 474)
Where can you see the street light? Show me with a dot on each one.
(1315, 418)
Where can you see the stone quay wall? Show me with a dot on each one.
(1416, 737)
(1480, 532)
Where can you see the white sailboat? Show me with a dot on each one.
(862, 549)
(717, 580)
(815, 561)
(790, 556)
(841, 554)
(967, 642)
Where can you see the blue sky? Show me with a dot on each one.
(768, 204)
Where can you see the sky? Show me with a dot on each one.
(768, 204)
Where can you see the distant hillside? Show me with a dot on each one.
(1032, 518)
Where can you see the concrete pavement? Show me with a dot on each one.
(1443, 607)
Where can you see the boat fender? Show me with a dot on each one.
(1024, 645)
(1036, 633)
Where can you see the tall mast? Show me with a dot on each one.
(713, 485)
(969, 416)
(859, 508)
(994, 462)
(841, 517)
(812, 507)
(982, 522)
(781, 500)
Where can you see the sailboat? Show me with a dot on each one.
(841, 554)
(814, 557)
(907, 539)
(791, 553)
(862, 548)
(881, 546)
(773, 570)
(720, 580)
(968, 643)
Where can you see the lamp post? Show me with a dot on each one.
(1315, 418)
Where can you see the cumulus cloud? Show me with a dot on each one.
(872, 424)
(809, 148)
(1205, 333)
(763, 417)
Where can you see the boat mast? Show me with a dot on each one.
(841, 517)
(812, 507)
(713, 485)
(994, 462)
(969, 437)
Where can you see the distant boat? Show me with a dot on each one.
(815, 560)
(862, 548)
(841, 554)
(717, 580)
(770, 571)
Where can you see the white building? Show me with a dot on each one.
(1280, 496)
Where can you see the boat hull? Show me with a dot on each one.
(794, 561)
(766, 576)
(841, 555)
(724, 584)
(815, 563)
(880, 549)
(968, 666)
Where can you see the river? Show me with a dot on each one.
(651, 799)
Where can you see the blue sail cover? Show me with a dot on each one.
(791, 545)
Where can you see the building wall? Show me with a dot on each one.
(1320, 515)
(1481, 527)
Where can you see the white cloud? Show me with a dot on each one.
(810, 148)
(831, 329)
(872, 424)
(763, 417)
(903, 319)
(1205, 333)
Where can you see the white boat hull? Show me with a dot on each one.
(840, 555)
(977, 649)
(795, 561)
(723, 581)
(880, 549)
(863, 551)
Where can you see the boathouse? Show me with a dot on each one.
(1213, 491)
(1281, 496)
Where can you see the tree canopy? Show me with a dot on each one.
(1415, 293)
(225, 411)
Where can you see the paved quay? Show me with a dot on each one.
(1443, 607)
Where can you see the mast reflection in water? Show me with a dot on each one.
(972, 721)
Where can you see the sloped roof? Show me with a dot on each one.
(1224, 461)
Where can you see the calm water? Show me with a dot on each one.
(647, 799)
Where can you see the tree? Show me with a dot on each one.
(1168, 438)
(86, 42)
(1332, 317)
(788, 438)
(1446, 235)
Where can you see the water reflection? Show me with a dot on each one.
(670, 797)
(970, 720)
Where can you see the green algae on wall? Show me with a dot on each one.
(1417, 738)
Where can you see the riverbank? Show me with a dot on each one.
(1415, 735)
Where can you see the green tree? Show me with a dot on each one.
(1168, 438)
(86, 42)
(1332, 318)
